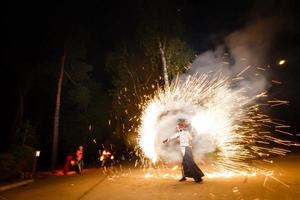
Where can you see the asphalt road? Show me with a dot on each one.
(131, 183)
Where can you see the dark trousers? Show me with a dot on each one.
(189, 167)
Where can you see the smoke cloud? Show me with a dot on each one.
(246, 49)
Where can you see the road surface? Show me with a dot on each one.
(131, 183)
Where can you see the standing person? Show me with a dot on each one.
(79, 157)
(189, 167)
(67, 163)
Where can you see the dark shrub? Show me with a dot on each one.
(13, 163)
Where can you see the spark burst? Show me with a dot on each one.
(227, 125)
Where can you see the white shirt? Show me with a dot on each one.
(184, 138)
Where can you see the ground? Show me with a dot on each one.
(134, 183)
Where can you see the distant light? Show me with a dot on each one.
(37, 153)
(281, 62)
(90, 127)
(73, 162)
(101, 158)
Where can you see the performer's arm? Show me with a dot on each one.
(173, 137)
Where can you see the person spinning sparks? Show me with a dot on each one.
(189, 167)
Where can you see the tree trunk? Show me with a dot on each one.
(25, 134)
(57, 112)
(164, 63)
(19, 116)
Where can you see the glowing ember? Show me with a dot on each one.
(229, 174)
(101, 158)
(281, 62)
(175, 168)
(148, 175)
(73, 162)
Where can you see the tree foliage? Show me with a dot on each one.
(137, 69)
(84, 103)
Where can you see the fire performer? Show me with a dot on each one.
(189, 167)
(79, 157)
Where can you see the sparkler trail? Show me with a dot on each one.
(227, 125)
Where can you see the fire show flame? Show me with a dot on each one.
(228, 127)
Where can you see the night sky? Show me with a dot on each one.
(34, 33)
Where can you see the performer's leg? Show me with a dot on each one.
(182, 150)
(183, 177)
(80, 165)
(182, 168)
